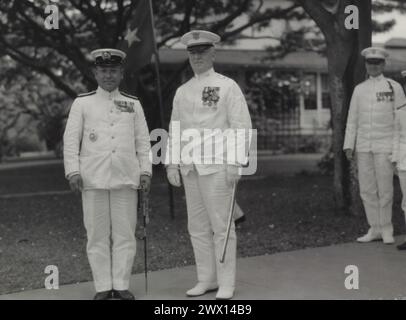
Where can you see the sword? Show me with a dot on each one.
(230, 220)
(145, 212)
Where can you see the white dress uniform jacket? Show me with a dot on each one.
(192, 110)
(107, 140)
(370, 123)
(399, 144)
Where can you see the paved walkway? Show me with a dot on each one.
(31, 163)
(317, 273)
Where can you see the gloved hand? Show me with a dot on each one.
(76, 183)
(173, 176)
(145, 182)
(349, 154)
(232, 175)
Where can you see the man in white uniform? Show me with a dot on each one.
(106, 157)
(370, 131)
(209, 101)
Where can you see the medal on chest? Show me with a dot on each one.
(124, 106)
(93, 136)
(211, 96)
(384, 96)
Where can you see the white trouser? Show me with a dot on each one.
(110, 216)
(402, 181)
(375, 175)
(208, 201)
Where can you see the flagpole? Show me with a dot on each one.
(161, 109)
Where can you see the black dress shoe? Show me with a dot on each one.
(103, 295)
(239, 220)
(123, 295)
(402, 246)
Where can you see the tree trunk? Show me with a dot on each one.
(355, 75)
(346, 70)
(338, 56)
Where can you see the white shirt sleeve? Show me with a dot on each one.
(240, 122)
(72, 139)
(352, 122)
(172, 154)
(142, 141)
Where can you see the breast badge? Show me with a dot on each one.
(384, 96)
(124, 106)
(93, 136)
(211, 96)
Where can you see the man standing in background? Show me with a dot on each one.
(370, 132)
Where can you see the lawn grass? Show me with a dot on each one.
(283, 213)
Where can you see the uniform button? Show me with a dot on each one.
(114, 151)
(112, 137)
(112, 124)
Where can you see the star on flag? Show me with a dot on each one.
(138, 38)
(132, 36)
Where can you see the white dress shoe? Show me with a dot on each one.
(388, 238)
(370, 236)
(202, 288)
(225, 293)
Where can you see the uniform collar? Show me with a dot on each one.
(204, 74)
(106, 94)
(377, 79)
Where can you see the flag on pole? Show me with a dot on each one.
(138, 41)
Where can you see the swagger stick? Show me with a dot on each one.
(230, 220)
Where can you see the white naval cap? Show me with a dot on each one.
(375, 53)
(108, 57)
(202, 38)
(403, 73)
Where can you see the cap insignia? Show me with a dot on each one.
(106, 55)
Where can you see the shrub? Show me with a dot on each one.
(27, 144)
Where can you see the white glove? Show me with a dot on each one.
(232, 175)
(173, 177)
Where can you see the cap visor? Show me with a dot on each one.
(200, 45)
(374, 60)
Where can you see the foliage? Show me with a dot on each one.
(26, 143)
(59, 58)
(27, 98)
(84, 25)
(271, 97)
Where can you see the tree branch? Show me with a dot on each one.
(26, 60)
(258, 19)
(321, 16)
(222, 24)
